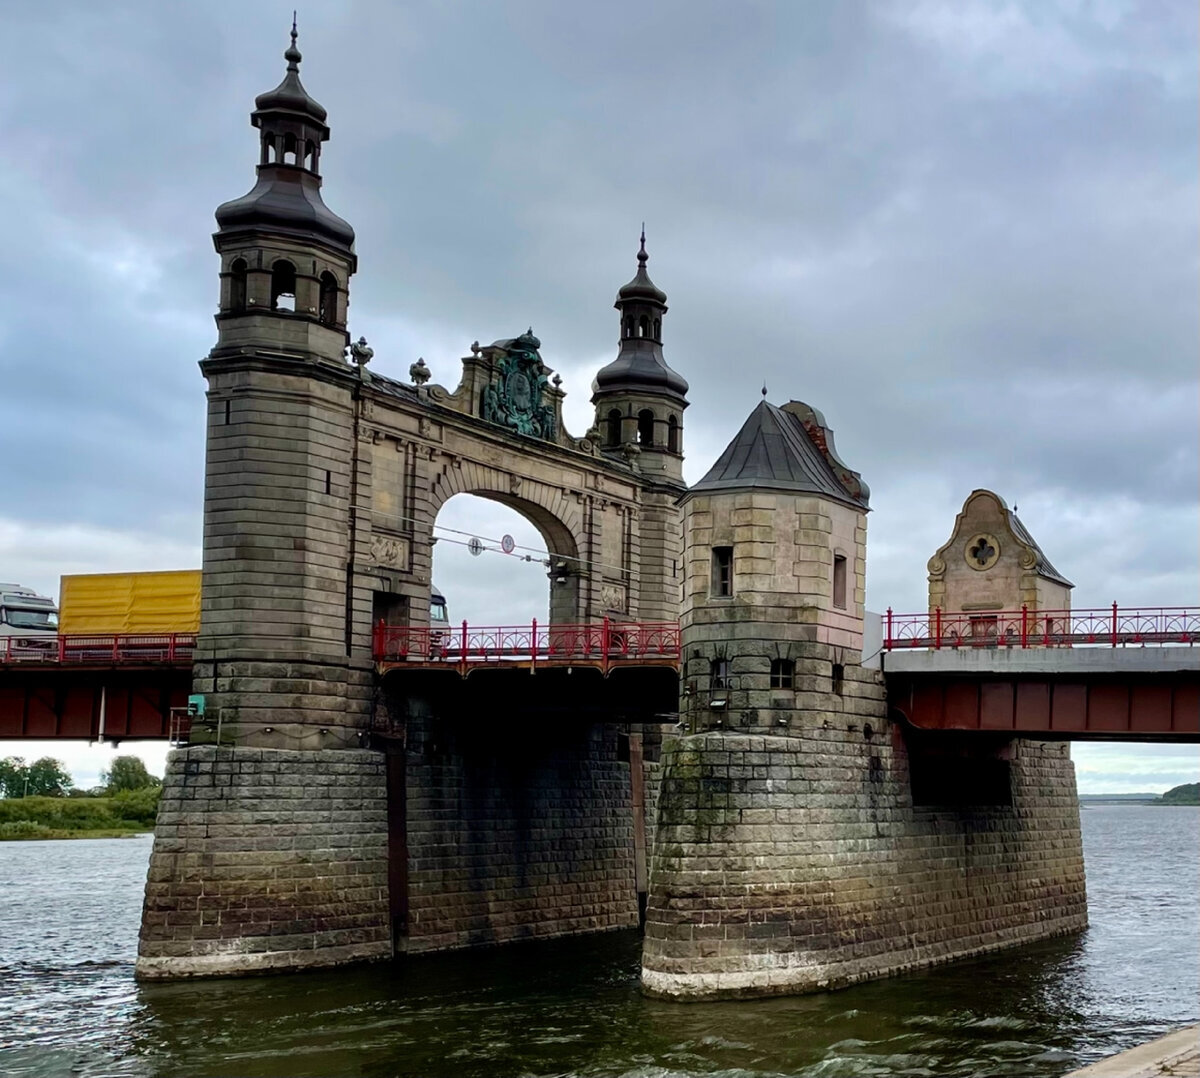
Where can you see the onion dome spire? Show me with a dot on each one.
(639, 363)
(288, 193)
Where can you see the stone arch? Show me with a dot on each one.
(549, 509)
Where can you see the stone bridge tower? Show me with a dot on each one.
(805, 839)
(290, 824)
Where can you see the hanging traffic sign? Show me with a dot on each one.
(508, 544)
(475, 546)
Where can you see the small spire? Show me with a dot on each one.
(764, 390)
(292, 55)
(642, 257)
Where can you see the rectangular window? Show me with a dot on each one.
(839, 581)
(783, 673)
(984, 626)
(718, 674)
(722, 571)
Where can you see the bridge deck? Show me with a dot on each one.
(601, 645)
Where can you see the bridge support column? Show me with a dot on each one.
(794, 862)
(267, 859)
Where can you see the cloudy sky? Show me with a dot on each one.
(966, 232)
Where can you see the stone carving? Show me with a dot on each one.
(982, 551)
(613, 597)
(389, 551)
(419, 372)
(361, 353)
(514, 400)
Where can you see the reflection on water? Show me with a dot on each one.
(68, 1004)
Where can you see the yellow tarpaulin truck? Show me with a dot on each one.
(150, 603)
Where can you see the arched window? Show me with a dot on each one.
(643, 326)
(237, 285)
(290, 149)
(310, 155)
(672, 434)
(613, 434)
(657, 329)
(327, 311)
(283, 286)
(645, 427)
(268, 150)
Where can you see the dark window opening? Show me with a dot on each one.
(657, 329)
(722, 571)
(672, 434)
(643, 327)
(622, 748)
(290, 149)
(387, 608)
(954, 781)
(645, 428)
(838, 678)
(228, 409)
(283, 286)
(718, 675)
(310, 155)
(327, 311)
(237, 285)
(329, 482)
(839, 581)
(268, 150)
(613, 434)
(783, 674)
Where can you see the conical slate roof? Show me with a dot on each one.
(772, 451)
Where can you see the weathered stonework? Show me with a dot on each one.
(266, 860)
(795, 863)
(516, 837)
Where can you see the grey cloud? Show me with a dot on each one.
(967, 238)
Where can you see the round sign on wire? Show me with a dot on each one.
(475, 546)
(508, 544)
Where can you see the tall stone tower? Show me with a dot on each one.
(276, 624)
(270, 847)
(639, 403)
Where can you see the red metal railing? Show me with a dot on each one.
(105, 649)
(605, 642)
(1025, 628)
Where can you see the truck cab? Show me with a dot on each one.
(26, 616)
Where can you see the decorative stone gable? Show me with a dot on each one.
(992, 563)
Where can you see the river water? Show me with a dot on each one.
(69, 1005)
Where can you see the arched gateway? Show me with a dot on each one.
(323, 482)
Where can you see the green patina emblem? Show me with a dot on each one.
(514, 399)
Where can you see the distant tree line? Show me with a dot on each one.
(48, 777)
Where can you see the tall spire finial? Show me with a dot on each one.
(292, 55)
(642, 257)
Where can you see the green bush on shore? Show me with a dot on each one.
(40, 817)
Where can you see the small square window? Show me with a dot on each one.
(783, 674)
(722, 571)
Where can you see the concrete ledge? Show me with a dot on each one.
(1075, 660)
(794, 974)
(1177, 1055)
(237, 963)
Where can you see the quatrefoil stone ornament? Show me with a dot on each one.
(982, 551)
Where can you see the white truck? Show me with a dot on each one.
(28, 621)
